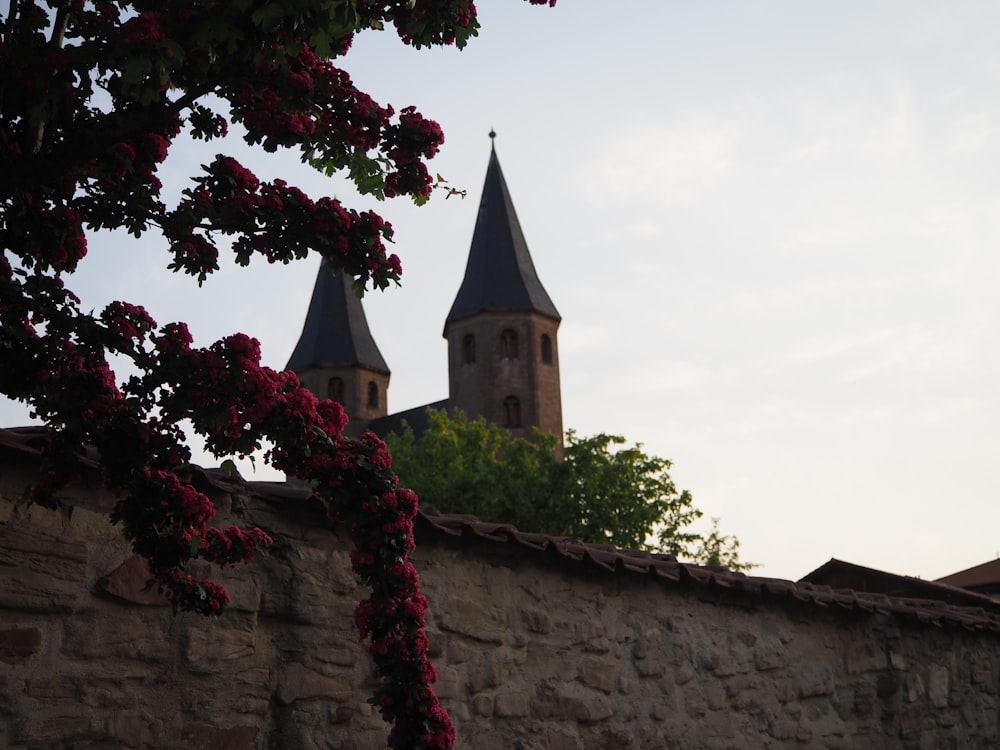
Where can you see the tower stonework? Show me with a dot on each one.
(502, 332)
(336, 356)
(503, 354)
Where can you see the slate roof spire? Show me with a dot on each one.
(336, 330)
(499, 275)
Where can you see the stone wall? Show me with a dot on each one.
(533, 651)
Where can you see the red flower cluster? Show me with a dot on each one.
(277, 221)
(142, 29)
(414, 139)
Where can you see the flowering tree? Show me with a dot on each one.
(92, 96)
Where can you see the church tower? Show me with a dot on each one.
(336, 356)
(503, 358)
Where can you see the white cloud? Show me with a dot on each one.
(663, 162)
(896, 128)
(970, 133)
(669, 375)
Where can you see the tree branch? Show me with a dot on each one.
(57, 39)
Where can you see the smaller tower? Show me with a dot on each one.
(503, 359)
(336, 356)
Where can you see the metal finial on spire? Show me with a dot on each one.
(493, 136)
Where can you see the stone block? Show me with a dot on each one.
(598, 645)
(508, 705)
(472, 620)
(243, 586)
(982, 672)
(598, 674)
(653, 742)
(328, 567)
(888, 685)
(559, 740)
(568, 701)
(784, 729)
(683, 673)
(213, 644)
(482, 705)
(652, 667)
(31, 548)
(53, 690)
(436, 641)
(133, 634)
(132, 582)
(814, 679)
(483, 674)
(295, 683)
(642, 648)
(312, 602)
(207, 737)
(626, 685)
(447, 683)
(536, 620)
(17, 645)
(860, 701)
(130, 729)
(863, 655)
(768, 653)
(592, 709)
(715, 696)
(255, 677)
(36, 592)
(609, 738)
(937, 688)
(897, 660)
(40, 571)
(694, 705)
(628, 711)
(458, 651)
(488, 739)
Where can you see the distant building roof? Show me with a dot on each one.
(500, 274)
(336, 331)
(844, 575)
(984, 578)
(417, 418)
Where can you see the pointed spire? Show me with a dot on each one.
(336, 331)
(499, 275)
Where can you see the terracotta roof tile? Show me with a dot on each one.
(925, 609)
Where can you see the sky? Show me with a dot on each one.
(771, 227)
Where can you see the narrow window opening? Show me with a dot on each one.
(512, 411)
(468, 349)
(508, 343)
(372, 394)
(335, 389)
(546, 349)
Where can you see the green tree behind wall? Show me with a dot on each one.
(602, 491)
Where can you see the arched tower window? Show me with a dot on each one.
(335, 389)
(508, 343)
(372, 394)
(512, 411)
(468, 349)
(546, 349)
